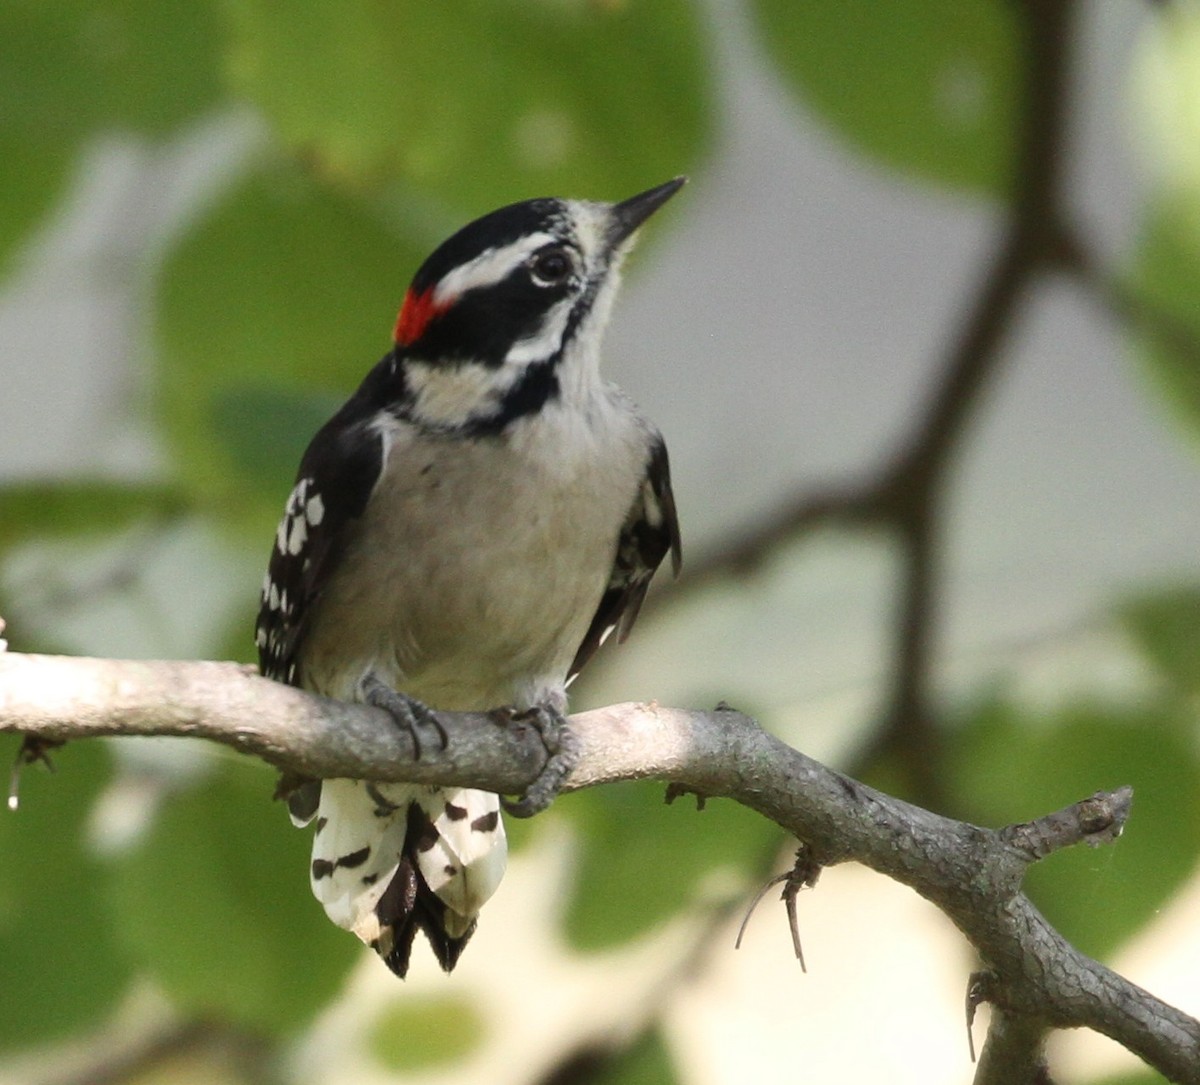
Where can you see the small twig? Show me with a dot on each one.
(1096, 820)
(677, 791)
(979, 986)
(763, 890)
(33, 749)
(789, 898)
(803, 875)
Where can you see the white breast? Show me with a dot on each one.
(487, 560)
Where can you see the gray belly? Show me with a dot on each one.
(482, 576)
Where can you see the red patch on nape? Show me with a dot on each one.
(415, 314)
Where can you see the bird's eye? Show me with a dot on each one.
(550, 267)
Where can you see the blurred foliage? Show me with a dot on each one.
(72, 69)
(1166, 268)
(270, 308)
(411, 1035)
(385, 124)
(926, 86)
(64, 969)
(628, 883)
(1165, 626)
(78, 507)
(481, 101)
(211, 902)
(1008, 763)
(1166, 278)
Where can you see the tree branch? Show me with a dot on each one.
(973, 874)
(1014, 1053)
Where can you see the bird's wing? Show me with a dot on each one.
(335, 480)
(651, 529)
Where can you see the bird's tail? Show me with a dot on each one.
(391, 859)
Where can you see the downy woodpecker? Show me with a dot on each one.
(463, 534)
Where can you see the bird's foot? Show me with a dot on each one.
(410, 714)
(562, 746)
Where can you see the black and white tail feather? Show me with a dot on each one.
(467, 530)
(432, 857)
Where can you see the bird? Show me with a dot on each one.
(462, 535)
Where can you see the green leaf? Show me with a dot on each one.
(34, 175)
(29, 510)
(266, 430)
(1166, 627)
(215, 903)
(63, 969)
(641, 861)
(1009, 765)
(1166, 282)
(646, 1062)
(270, 312)
(73, 67)
(480, 102)
(928, 87)
(411, 1035)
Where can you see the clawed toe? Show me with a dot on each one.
(562, 746)
(560, 742)
(410, 714)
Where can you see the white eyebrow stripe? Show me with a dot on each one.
(488, 268)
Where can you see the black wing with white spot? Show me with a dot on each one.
(335, 480)
(650, 530)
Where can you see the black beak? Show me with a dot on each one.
(629, 214)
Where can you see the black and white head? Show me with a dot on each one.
(507, 314)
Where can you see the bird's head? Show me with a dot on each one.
(509, 311)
